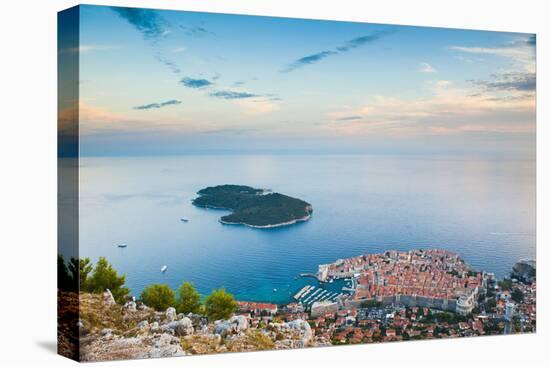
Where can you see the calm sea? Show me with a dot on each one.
(482, 209)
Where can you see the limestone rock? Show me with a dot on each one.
(222, 327)
(131, 306)
(236, 324)
(141, 306)
(303, 328)
(131, 348)
(170, 314)
(181, 327)
(155, 327)
(197, 320)
(239, 323)
(165, 346)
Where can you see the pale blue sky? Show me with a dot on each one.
(172, 82)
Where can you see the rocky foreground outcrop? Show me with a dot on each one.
(109, 331)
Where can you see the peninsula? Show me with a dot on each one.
(256, 208)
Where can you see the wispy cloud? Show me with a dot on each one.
(171, 65)
(346, 47)
(449, 110)
(178, 50)
(308, 60)
(363, 40)
(228, 94)
(271, 97)
(195, 31)
(517, 81)
(157, 105)
(195, 83)
(252, 103)
(96, 120)
(521, 51)
(426, 68)
(349, 118)
(153, 27)
(147, 21)
(240, 83)
(257, 106)
(521, 78)
(504, 51)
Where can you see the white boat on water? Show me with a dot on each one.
(184, 219)
(122, 245)
(163, 269)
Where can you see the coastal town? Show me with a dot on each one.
(391, 296)
(419, 294)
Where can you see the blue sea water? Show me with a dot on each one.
(483, 209)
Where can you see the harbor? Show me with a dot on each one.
(323, 291)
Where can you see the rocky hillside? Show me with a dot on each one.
(110, 331)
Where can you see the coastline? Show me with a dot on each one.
(291, 222)
(320, 316)
(210, 206)
(294, 221)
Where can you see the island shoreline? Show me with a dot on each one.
(294, 221)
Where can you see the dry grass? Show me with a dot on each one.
(200, 344)
(97, 316)
(259, 341)
(252, 340)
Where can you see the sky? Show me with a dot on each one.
(156, 82)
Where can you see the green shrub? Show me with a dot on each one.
(189, 300)
(104, 277)
(220, 305)
(158, 296)
(85, 268)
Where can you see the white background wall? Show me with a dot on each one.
(28, 180)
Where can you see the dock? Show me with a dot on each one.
(311, 294)
(311, 275)
(301, 292)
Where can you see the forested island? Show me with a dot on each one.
(257, 208)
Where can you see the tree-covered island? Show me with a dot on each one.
(257, 208)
